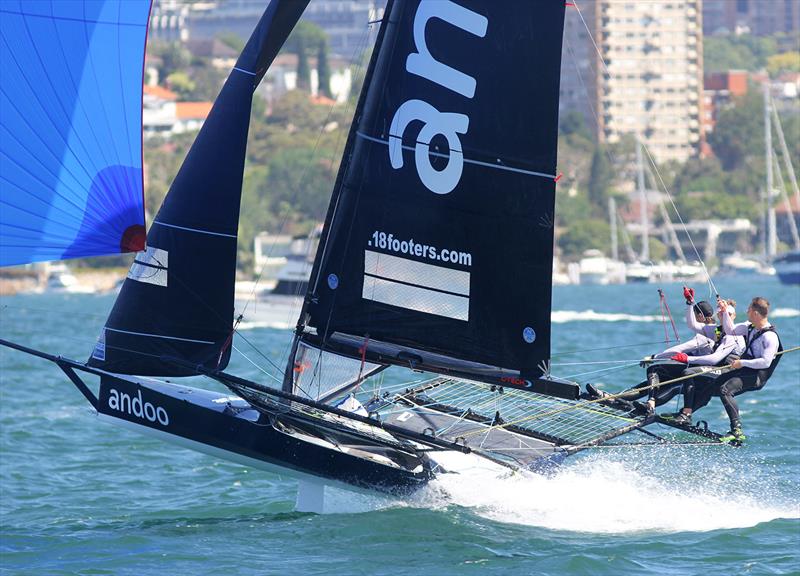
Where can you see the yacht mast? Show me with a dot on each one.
(772, 243)
(645, 253)
(612, 220)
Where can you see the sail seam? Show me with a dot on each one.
(244, 71)
(195, 230)
(158, 336)
(395, 280)
(466, 160)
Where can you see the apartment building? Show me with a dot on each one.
(634, 67)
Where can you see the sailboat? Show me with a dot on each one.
(435, 255)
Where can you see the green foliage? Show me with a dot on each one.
(232, 40)
(786, 62)
(600, 181)
(581, 235)
(174, 57)
(574, 123)
(324, 70)
(181, 83)
(739, 131)
(305, 37)
(745, 52)
(303, 69)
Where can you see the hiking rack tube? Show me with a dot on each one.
(67, 366)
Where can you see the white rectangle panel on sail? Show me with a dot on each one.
(416, 285)
(150, 267)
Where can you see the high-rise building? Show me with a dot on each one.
(579, 64)
(344, 21)
(650, 85)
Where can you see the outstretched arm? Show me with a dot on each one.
(727, 322)
(691, 321)
(692, 345)
(716, 357)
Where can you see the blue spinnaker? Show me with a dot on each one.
(71, 128)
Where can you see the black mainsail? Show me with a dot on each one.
(177, 301)
(437, 248)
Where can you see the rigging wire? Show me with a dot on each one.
(709, 280)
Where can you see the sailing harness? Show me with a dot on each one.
(753, 334)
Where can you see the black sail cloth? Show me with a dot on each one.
(177, 301)
(439, 236)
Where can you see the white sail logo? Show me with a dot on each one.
(447, 124)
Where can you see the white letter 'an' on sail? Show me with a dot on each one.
(448, 124)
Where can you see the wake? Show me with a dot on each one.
(606, 494)
(565, 316)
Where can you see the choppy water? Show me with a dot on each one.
(78, 496)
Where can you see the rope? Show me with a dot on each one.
(710, 282)
(582, 405)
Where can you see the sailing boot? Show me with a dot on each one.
(594, 392)
(681, 418)
(735, 436)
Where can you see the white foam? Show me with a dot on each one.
(604, 495)
(277, 324)
(564, 316)
(784, 313)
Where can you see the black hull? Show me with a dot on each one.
(227, 426)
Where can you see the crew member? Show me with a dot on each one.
(750, 372)
(672, 360)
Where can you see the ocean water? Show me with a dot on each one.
(79, 496)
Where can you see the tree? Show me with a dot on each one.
(181, 83)
(305, 36)
(582, 235)
(174, 57)
(599, 181)
(303, 69)
(324, 70)
(739, 131)
(786, 62)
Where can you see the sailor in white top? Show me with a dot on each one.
(756, 365)
(724, 344)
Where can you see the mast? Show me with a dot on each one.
(772, 240)
(612, 220)
(645, 254)
(786, 203)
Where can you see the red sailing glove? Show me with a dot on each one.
(688, 293)
(680, 357)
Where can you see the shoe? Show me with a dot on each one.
(644, 408)
(594, 392)
(735, 436)
(681, 418)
